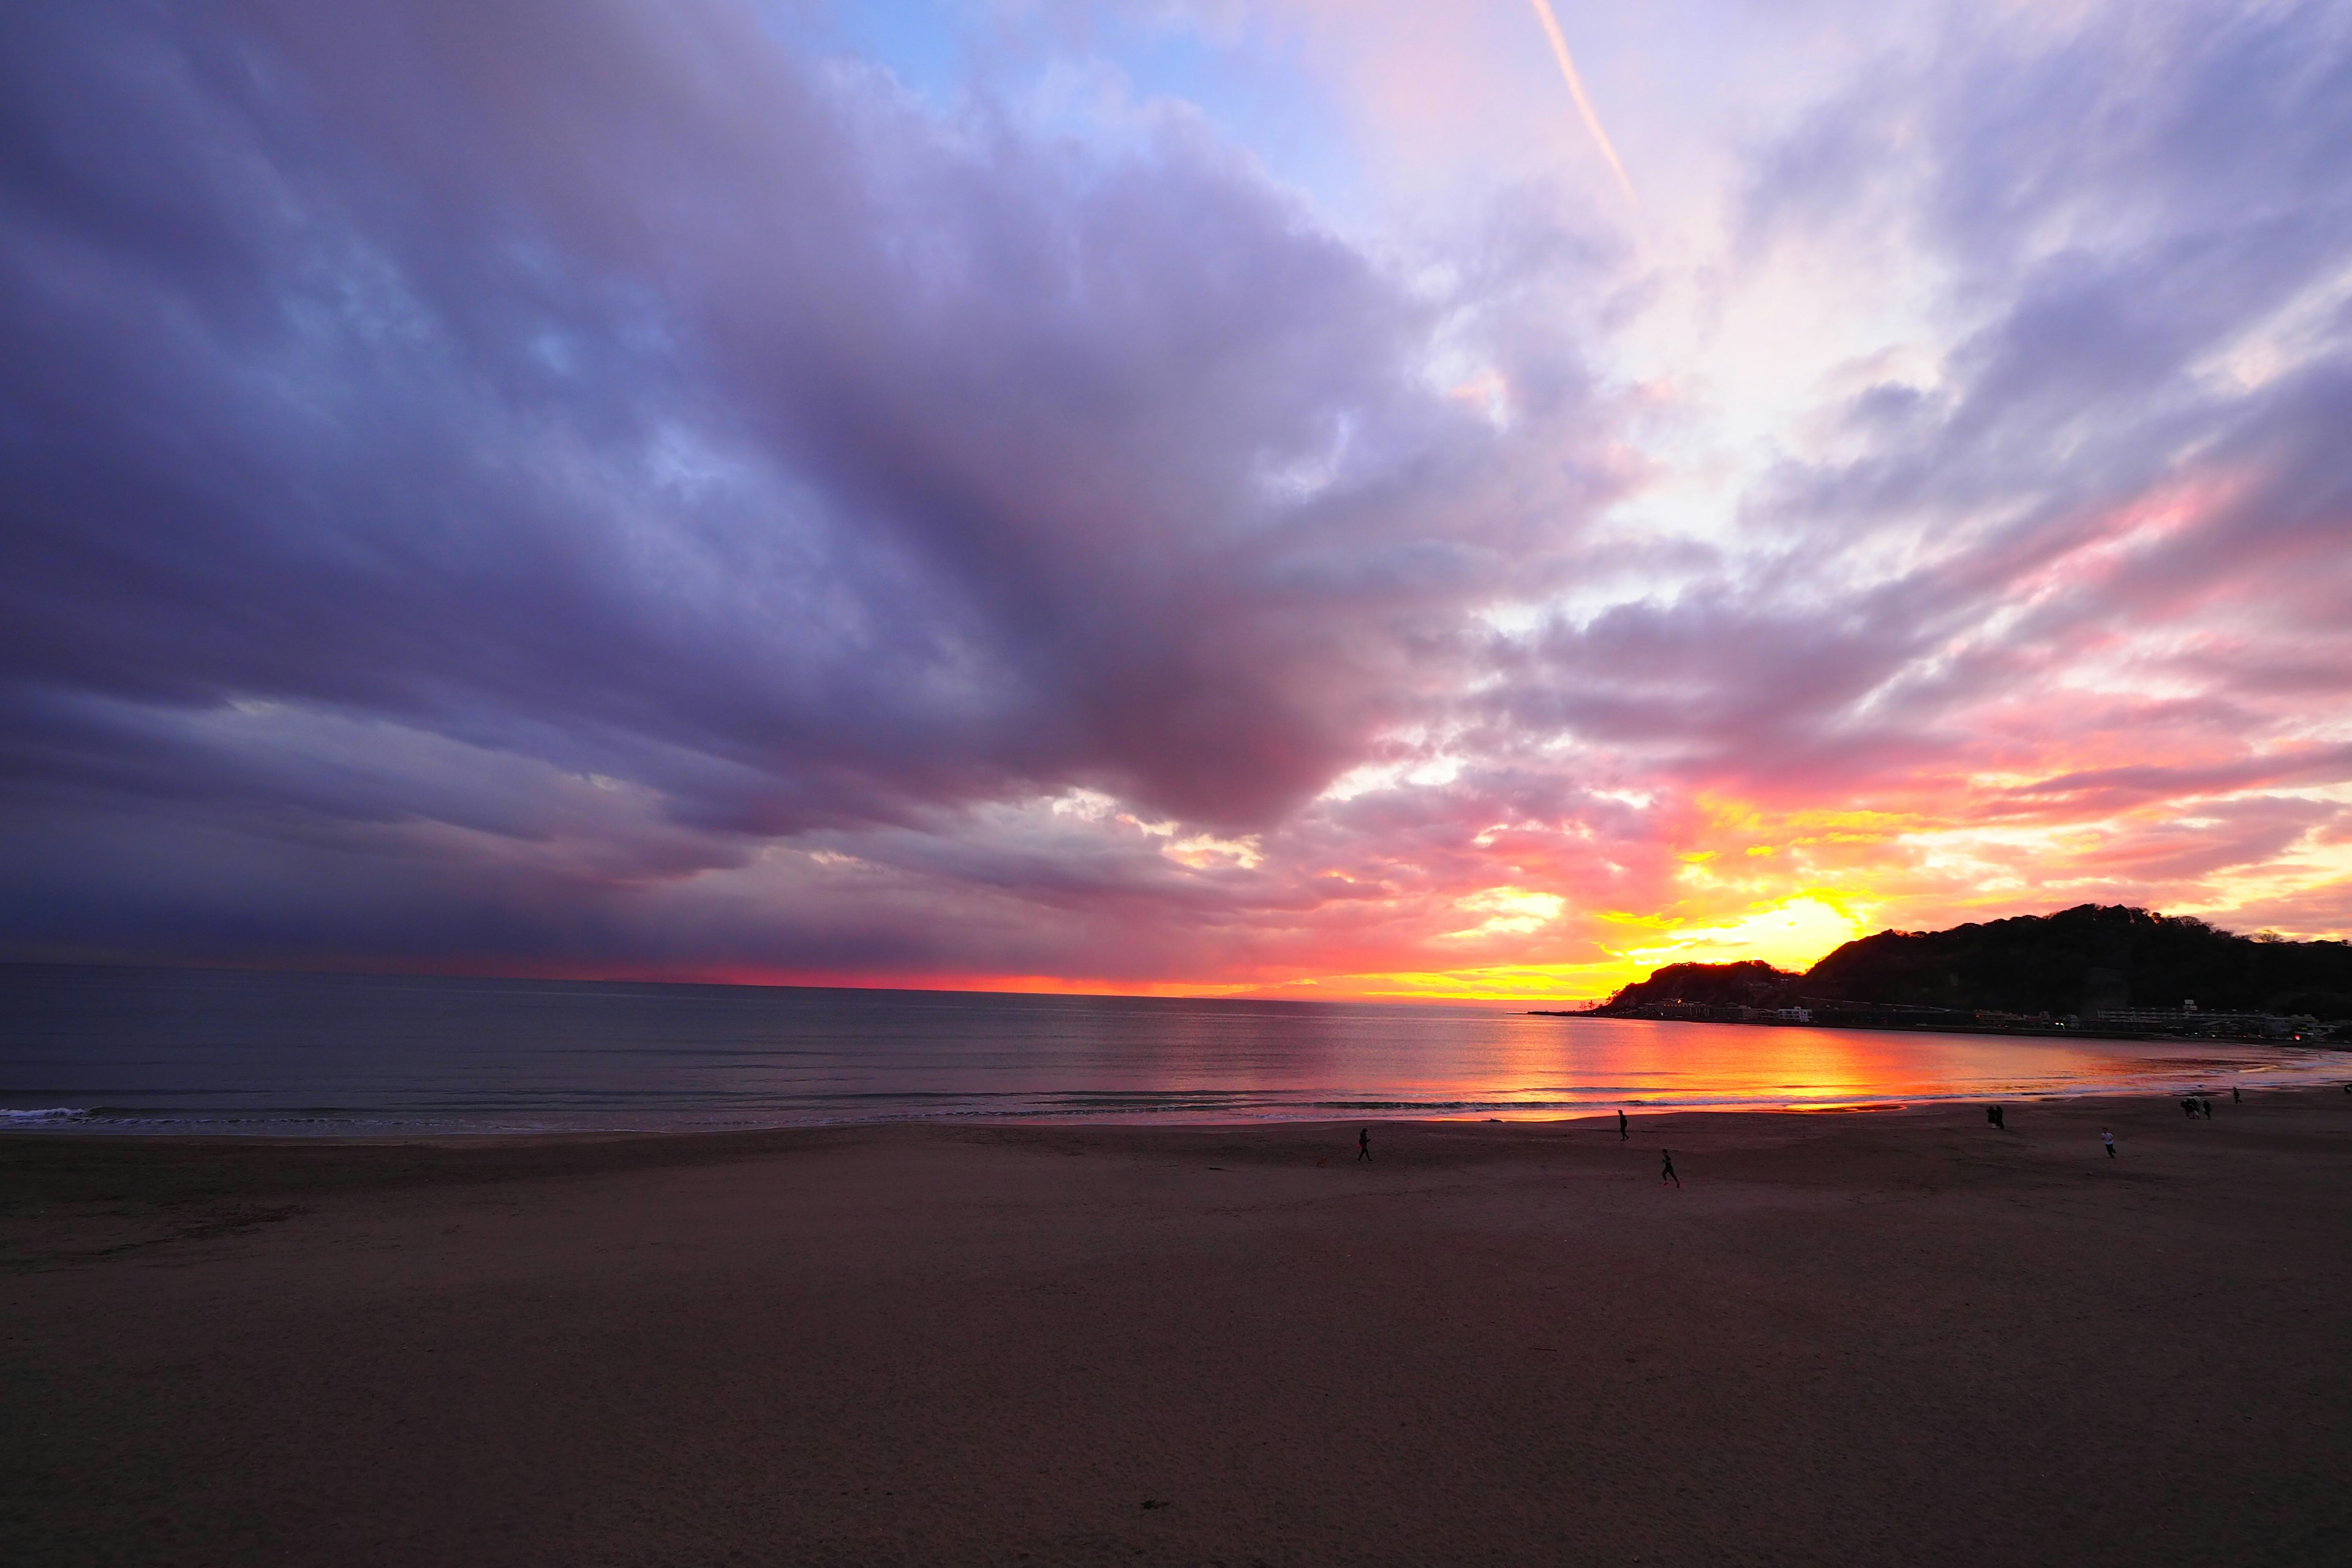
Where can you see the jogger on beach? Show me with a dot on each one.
(1622, 1133)
(1666, 1169)
(1364, 1144)
(2109, 1140)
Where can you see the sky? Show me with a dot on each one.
(1317, 498)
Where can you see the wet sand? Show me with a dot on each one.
(1896, 1337)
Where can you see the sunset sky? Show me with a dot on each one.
(1332, 498)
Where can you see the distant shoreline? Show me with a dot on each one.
(2027, 1031)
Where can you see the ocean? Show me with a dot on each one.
(175, 1050)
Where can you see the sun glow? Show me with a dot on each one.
(1789, 934)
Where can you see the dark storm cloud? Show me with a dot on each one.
(604, 391)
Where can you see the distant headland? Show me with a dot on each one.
(2094, 969)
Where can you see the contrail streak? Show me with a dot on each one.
(1576, 86)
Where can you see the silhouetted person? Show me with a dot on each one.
(2109, 1140)
(2205, 1104)
(1622, 1133)
(1364, 1144)
(2189, 1109)
(1993, 1114)
(2235, 1096)
(1666, 1169)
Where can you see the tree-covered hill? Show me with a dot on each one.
(2084, 960)
(1751, 983)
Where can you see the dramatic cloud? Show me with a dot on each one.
(676, 489)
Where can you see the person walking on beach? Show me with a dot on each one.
(1364, 1144)
(1993, 1114)
(2235, 1097)
(1667, 1170)
(2109, 1140)
(1622, 1133)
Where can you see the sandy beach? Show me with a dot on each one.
(1872, 1338)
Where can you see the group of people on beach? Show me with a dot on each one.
(2197, 1104)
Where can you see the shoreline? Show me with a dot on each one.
(2015, 1031)
(167, 1126)
(647, 1146)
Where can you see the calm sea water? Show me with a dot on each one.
(195, 1050)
